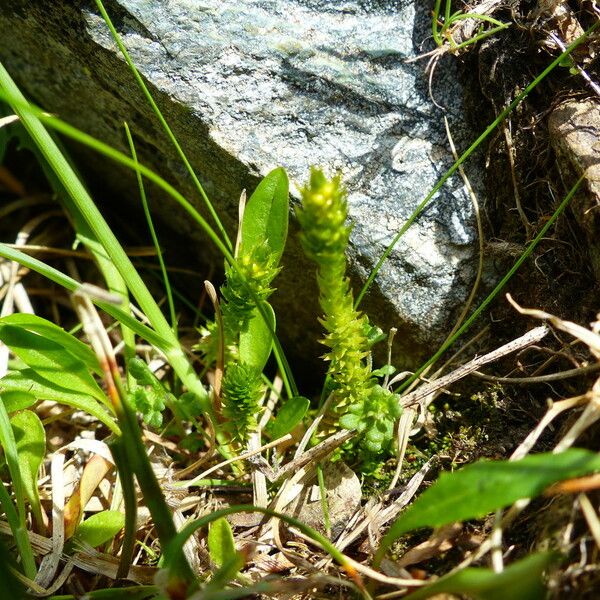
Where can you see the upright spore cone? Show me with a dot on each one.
(325, 238)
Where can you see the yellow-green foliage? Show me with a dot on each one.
(242, 289)
(241, 394)
(324, 239)
(360, 403)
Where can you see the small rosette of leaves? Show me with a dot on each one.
(149, 396)
(374, 417)
(242, 390)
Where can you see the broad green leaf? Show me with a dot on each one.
(50, 360)
(289, 415)
(28, 381)
(100, 528)
(221, 545)
(30, 439)
(480, 488)
(18, 520)
(57, 334)
(266, 215)
(257, 340)
(16, 400)
(520, 581)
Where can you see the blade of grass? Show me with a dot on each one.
(148, 216)
(126, 477)
(132, 444)
(72, 285)
(163, 122)
(520, 97)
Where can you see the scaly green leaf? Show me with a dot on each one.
(100, 528)
(266, 215)
(51, 361)
(480, 488)
(520, 581)
(289, 415)
(221, 544)
(28, 381)
(30, 439)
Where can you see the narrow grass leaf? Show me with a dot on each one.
(266, 215)
(57, 334)
(171, 551)
(29, 382)
(482, 487)
(163, 121)
(50, 360)
(100, 528)
(520, 581)
(289, 415)
(256, 341)
(465, 155)
(221, 545)
(30, 439)
(153, 235)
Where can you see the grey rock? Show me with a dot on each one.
(253, 84)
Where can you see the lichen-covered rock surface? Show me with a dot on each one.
(253, 84)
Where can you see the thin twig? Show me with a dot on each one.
(535, 335)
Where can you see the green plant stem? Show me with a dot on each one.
(324, 503)
(117, 38)
(435, 24)
(117, 448)
(498, 287)
(131, 448)
(520, 97)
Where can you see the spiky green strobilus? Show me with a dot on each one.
(241, 394)
(248, 320)
(359, 403)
